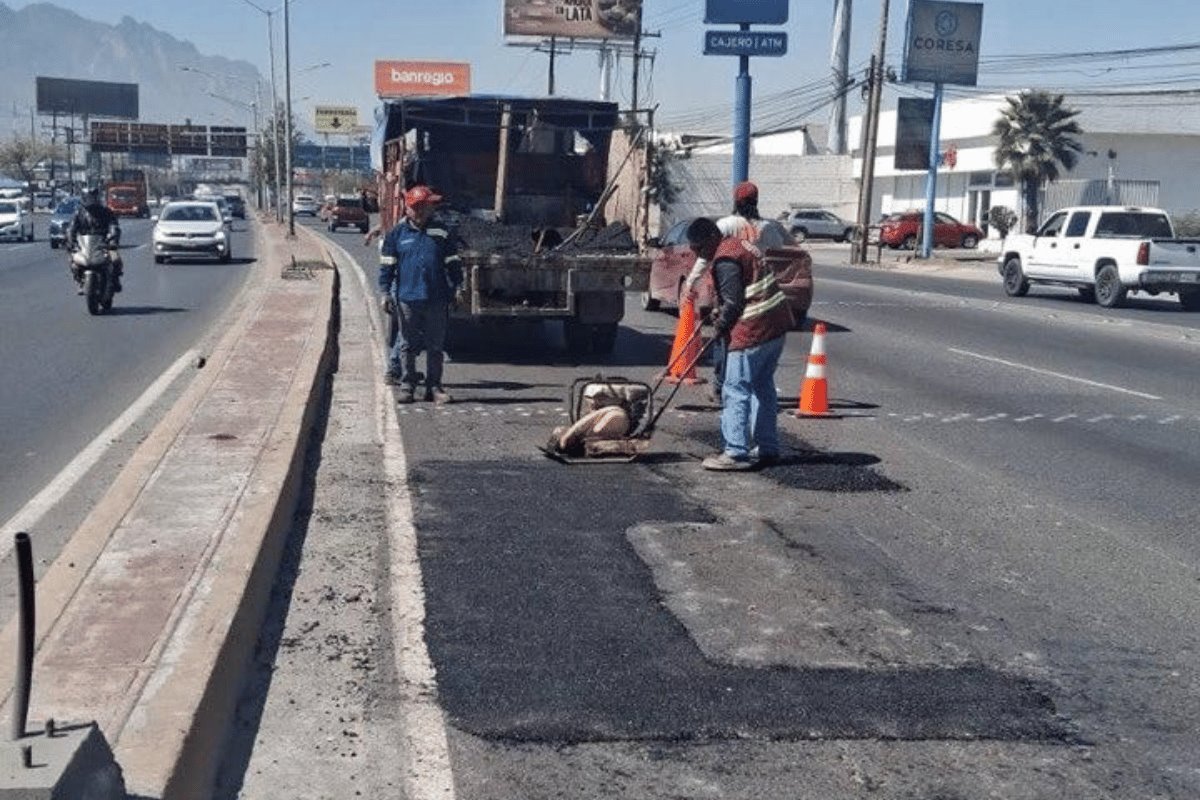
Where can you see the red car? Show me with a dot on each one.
(904, 231)
(674, 259)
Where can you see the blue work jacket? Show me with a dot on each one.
(419, 265)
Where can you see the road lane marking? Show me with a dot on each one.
(50, 495)
(1053, 374)
(1101, 418)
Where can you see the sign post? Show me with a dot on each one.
(743, 43)
(941, 46)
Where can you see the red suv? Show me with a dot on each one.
(904, 231)
(347, 211)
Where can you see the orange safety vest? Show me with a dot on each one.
(766, 314)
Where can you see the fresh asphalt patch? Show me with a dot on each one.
(804, 466)
(546, 625)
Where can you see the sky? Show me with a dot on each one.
(689, 89)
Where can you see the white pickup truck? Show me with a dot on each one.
(1104, 252)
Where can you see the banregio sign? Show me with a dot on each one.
(942, 42)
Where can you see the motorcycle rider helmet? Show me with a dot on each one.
(90, 196)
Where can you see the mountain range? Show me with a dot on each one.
(46, 40)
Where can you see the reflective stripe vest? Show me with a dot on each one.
(767, 314)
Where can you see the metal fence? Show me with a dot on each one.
(1062, 194)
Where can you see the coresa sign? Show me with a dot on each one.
(942, 42)
(422, 79)
(576, 19)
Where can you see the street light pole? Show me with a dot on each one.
(275, 120)
(287, 79)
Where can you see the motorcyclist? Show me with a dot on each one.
(93, 218)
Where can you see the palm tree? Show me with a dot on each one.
(1037, 135)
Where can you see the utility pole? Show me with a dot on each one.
(637, 58)
(550, 87)
(839, 61)
(287, 122)
(871, 140)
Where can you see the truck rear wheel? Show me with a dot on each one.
(1110, 292)
(1190, 300)
(578, 336)
(604, 338)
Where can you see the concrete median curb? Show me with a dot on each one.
(163, 681)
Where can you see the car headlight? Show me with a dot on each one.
(219, 235)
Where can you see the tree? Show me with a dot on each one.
(1003, 219)
(19, 157)
(264, 165)
(1037, 135)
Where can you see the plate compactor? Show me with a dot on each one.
(613, 418)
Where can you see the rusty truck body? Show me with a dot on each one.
(539, 164)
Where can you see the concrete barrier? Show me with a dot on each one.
(148, 617)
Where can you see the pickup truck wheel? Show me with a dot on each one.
(1015, 284)
(970, 241)
(1110, 293)
(800, 234)
(1086, 293)
(1190, 300)
(648, 302)
(909, 243)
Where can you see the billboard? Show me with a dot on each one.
(914, 126)
(577, 19)
(745, 12)
(942, 42)
(227, 141)
(335, 119)
(94, 98)
(422, 78)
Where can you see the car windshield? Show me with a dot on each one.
(123, 195)
(8, 208)
(67, 207)
(189, 214)
(349, 202)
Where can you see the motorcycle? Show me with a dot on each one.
(92, 263)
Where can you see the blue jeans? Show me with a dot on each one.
(749, 402)
(422, 327)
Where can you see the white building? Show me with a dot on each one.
(1153, 141)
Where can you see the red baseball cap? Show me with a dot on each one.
(744, 192)
(421, 195)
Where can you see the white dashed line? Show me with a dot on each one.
(1101, 418)
(1064, 418)
(1053, 374)
(1027, 417)
(1169, 420)
(992, 418)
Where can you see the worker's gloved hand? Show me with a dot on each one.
(389, 304)
(460, 296)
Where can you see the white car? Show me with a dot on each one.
(305, 204)
(16, 223)
(190, 229)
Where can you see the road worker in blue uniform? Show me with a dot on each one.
(420, 274)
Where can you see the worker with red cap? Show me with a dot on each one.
(420, 274)
(745, 224)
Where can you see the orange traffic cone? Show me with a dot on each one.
(685, 350)
(814, 392)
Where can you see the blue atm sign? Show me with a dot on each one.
(744, 43)
(746, 12)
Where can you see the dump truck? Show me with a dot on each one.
(524, 181)
(126, 195)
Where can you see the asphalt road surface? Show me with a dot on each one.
(978, 582)
(68, 375)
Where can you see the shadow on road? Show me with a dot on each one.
(142, 311)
